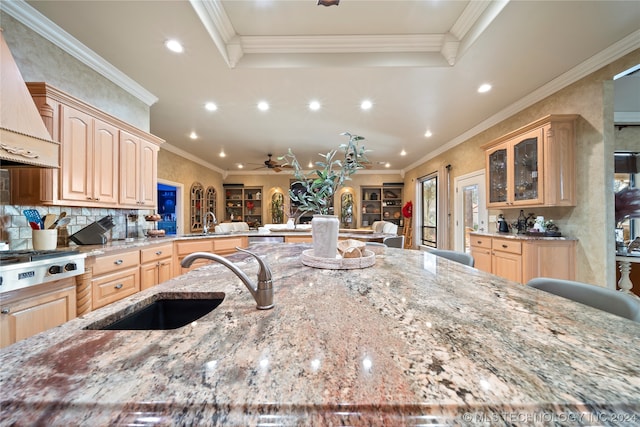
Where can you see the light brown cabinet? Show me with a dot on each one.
(93, 164)
(115, 277)
(30, 311)
(521, 260)
(156, 265)
(89, 158)
(138, 172)
(219, 246)
(534, 165)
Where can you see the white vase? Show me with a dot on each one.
(324, 232)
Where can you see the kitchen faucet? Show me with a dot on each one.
(262, 293)
(205, 227)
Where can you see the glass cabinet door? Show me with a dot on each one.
(498, 176)
(526, 182)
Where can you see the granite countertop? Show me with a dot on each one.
(122, 245)
(519, 236)
(414, 340)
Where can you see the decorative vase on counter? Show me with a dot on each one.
(324, 233)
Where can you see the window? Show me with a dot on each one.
(429, 209)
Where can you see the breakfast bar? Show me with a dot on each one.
(413, 340)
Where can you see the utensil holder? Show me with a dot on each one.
(45, 240)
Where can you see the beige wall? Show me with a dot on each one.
(174, 168)
(591, 221)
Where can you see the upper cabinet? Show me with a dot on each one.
(534, 165)
(138, 172)
(104, 162)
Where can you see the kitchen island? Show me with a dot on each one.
(413, 340)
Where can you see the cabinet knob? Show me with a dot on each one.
(505, 246)
(159, 253)
(5, 311)
(118, 262)
(118, 286)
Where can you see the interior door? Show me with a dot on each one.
(470, 208)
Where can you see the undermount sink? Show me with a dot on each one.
(162, 314)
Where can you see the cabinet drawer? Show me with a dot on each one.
(480, 241)
(155, 253)
(113, 287)
(506, 245)
(228, 244)
(111, 263)
(188, 247)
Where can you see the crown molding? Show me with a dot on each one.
(475, 18)
(591, 65)
(30, 17)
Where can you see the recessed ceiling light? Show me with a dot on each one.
(486, 87)
(403, 153)
(210, 106)
(240, 165)
(366, 104)
(174, 46)
(428, 134)
(193, 135)
(222, 153)
(387, 165)
(314, 105)
(263, 106)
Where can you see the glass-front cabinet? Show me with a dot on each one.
(533, 166)
(513, 173)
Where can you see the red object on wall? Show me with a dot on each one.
(407, 209)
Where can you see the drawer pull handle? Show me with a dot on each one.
(118, 262)
(118, 286)
(159, 253)
(6, 310)
(505, 246)
(479, 241)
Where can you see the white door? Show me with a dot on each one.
(470, 208)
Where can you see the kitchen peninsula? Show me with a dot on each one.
(415, 339)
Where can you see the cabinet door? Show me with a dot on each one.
(77, 154)
(498, 170)
(106, 158)
(129, 169)
(482, 259)
(527, 169)
(33, 315)
(165, 270)
(148, 192)
(507, 265)
(148, 275)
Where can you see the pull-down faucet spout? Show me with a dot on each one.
(205, 226)
(262, 293)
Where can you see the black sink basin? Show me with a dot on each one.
(163, 314)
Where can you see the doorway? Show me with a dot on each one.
(170, 206)
(470, 208)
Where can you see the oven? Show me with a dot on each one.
(21, 269)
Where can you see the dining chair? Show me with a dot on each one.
(605, 299)
(394, 241)
(457, 256)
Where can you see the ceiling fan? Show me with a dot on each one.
(271, 164)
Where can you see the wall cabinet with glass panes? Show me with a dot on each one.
(381, 203)
(534, 165)
(243, 204)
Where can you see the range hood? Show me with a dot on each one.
(24, 139)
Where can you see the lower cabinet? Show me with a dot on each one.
(30, 311)
(115, 277)
(219, 246)
(298, 239)
(156, 265)
(521, 260)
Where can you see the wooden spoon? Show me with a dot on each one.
(49, 221)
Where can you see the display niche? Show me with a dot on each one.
(195, 206)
